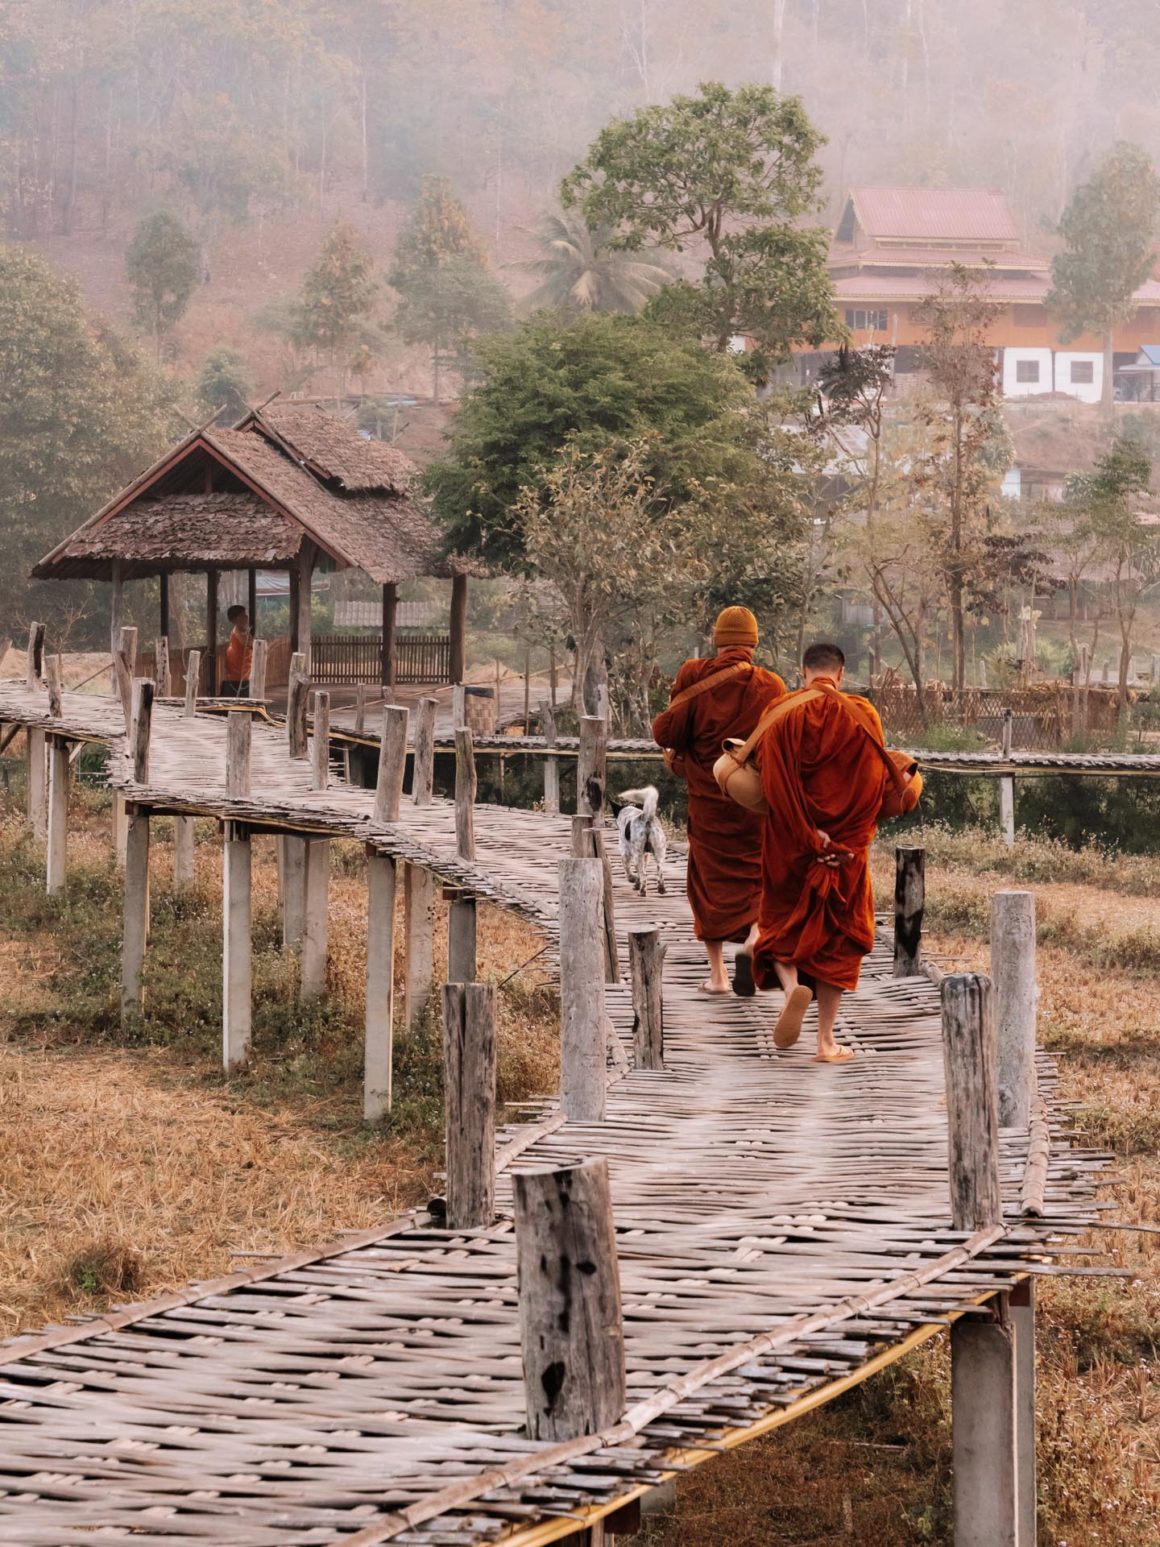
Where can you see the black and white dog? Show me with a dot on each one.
(641, 834)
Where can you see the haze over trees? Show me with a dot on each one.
(162, 267)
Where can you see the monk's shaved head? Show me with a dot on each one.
(823, 658)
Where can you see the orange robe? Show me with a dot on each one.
(724, 883)
(818, 770)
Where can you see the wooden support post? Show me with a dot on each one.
(608, 910)
(305, 564)
(458, 707)
(392, 764)
(470, 1013)
(458, 662)
(293, 852)
(592, 771)
(972, 1100)
(211, 630)
(163, 606)
(909, 902)
(646, 957)
(316, 918)
(161, 665)
(116, 609)
(136, 911)
(360, 708)
(390, 613)
(465, 788)
(423, 777)
(419, 966)
(382, 890)
(37, 787)
(983, 1434)
(183, 830)
(1021, 1307)
(192, 680)
(237, 954)
(258, 659)
(120, 828)
(238, 753)
(1013, 974)
(1007, 810)
(297, 694)
(34, 667)
(141, 729)
(571, 1328)
(582, 1037)
(462, 938)
(58, 777)
(320, 743)
(252, 601)
(551, 764)
(54, 681)
(293, 578)
(124, 669)
(582, 846)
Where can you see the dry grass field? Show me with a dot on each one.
(128, 1165)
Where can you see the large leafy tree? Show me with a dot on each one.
(162, 266)
(732, 177)
(1108, 230)
(335, 310)
(224, 386)
(447, 294)
(78, 417)
(582, 271)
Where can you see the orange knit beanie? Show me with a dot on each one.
(735, 626)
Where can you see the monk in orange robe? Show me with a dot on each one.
(724, 883)
(824, 782)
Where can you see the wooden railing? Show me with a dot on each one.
(344, 659)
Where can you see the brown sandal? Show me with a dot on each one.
(789, 1023)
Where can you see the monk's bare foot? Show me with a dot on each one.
(743, 985)
(713, 988)
(789, 1023)
(834, 1055)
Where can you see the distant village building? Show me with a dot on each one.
(885, 258)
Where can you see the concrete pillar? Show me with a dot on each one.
(419, 972)
(983, 1433)
(1022, 1311)
(316, 918)
(1007, 810)
(382, 876)
(120, 829)
(1013, 974)
(37, 784)
(237, 957)
(292, 852)
(461, 940)
(183, 852)
(136, 911)
(58, 779)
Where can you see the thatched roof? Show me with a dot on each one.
(251, 497)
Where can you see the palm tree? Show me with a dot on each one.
(582, 272)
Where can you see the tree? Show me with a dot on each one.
(224, 387)
(732, 175)
(1108, 229)
(596, 380)
(162, 265)
(447, 296)
(335, 309)
(581, 271)
(79, 416)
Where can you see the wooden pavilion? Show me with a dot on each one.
(290, 488)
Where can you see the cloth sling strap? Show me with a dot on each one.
(808, 695)
(711, 681)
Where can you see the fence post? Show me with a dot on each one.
(582, 1036)
(972, 1100)
(192, 680)
(646, 957)
(161, 666)
(1013, 973)
(382, 899)
(423, 778)
(909, 902)
(571, 1328)
(392, 764)
(465, 788)
(469, 1064)
(592, 771)
(551, 764)
(54, 680)
(142, 728)
(320, 743)
(58, 781)
(297, 691)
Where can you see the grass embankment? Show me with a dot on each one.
(874, 1467)
(128, 1162)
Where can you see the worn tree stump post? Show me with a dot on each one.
(419, 967)
(136, 910)
(392, 764)
(582, 846)
(37, 786)
(972, 1100)
(1007, 787)
(161, 666)
(592, 767)
(258, 663)
(462, 937)
(465, 789)
(320, 743)
(571, 1328)
(909, 902)
(551, 764)
(297, 695)
(423, 778)
(646, 956)
(34, 662)
(57, 847)
(237, 873)
(1013, 974)
(469, 1064)
(582, 1037)
(382, 897)
(315, 918)
(54, 681)
(608, 909)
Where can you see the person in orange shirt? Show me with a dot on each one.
(722, 695)
(239, 654)
(824, 781)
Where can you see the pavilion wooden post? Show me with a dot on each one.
(211, 630)
(183, 829)
(551, 764)
(315, 918)
(646, 957)
(592, 767)
(136, 905)
(252, 602)
(124, 667)
(161, 665)
(192, 681)
(297, 696)
(470, 1013)
(305, 573)
(237, 872)
(1013, 973)
(382, 897)
(116, 608)
(909, 903)
(571, 1328)
(1007, 787)
(582, 1035)
(458, 662)
(419, 963)
(320, 743)
(57, 845)
(389, 655)
(982, 1352)
(261, 650)
(465, 790)
(392, 764)
(293, 579)
(423, 778)
(163, 607)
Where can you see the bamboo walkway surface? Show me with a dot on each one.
(782, 1229)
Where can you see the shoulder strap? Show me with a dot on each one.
(711, 681)
(777, 711)
(867, 730)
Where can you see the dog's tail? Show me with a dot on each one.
(646, 799)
